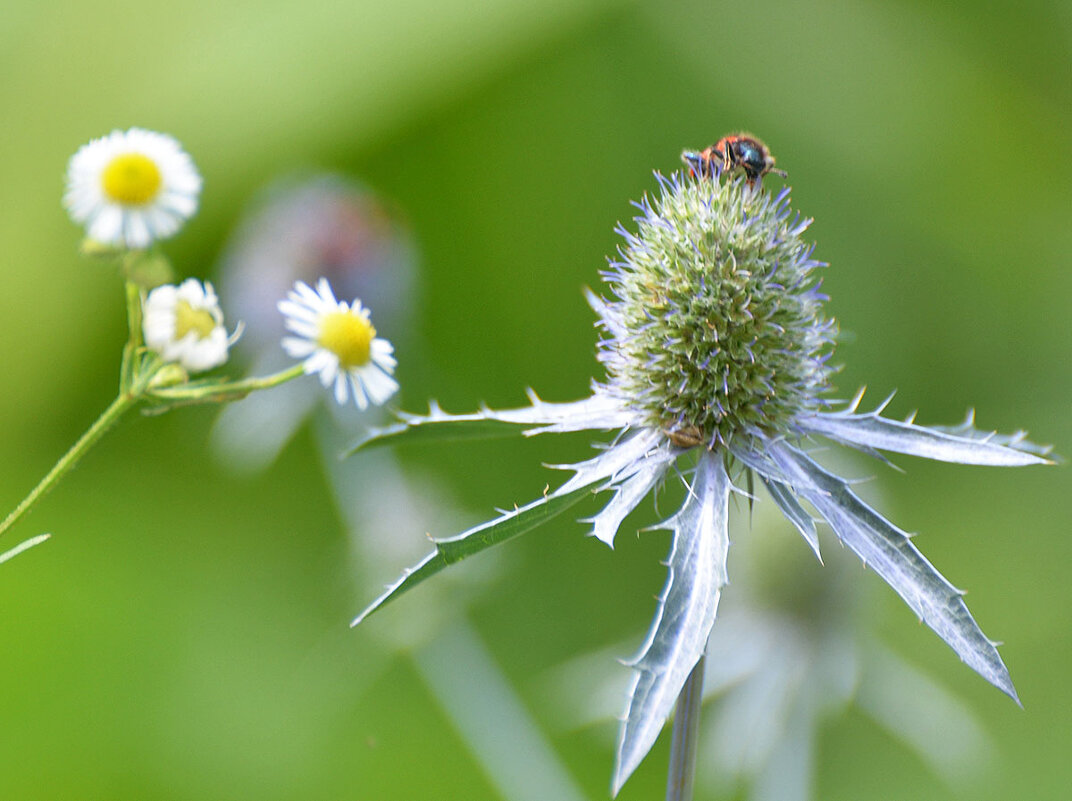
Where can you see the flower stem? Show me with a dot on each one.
(134, 338)
(121, 404)
(685, 737)
(218, 392)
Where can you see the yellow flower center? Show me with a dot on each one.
(347, 335)
(188, 319)
(131, 178)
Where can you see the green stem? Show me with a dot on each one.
(685, 737)
(134, 301)
(134, 338)
(121, 404)
(231, 390)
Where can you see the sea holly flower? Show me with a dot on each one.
(716, 352)
(336, 340)
(793, 650)
(184, 324)
(131, 188)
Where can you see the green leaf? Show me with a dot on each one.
(502, 528)
(23, 546)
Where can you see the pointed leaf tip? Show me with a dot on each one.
(22, 547)
(889, 552)
(479, 538)
(962, 444)
(684, 616)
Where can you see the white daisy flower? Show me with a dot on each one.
(338, 342)
(184, 324)
(130, 188)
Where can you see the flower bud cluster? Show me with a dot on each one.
(716, 327)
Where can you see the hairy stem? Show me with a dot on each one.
(134, 338)
(120, 405)
(221, 392)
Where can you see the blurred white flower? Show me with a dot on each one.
(130, 188)
(302, 228)
(184, 324)
(336, 340)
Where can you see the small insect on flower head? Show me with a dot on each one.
(184, 324)
(337, 341)
(739, 151)
(131, 188)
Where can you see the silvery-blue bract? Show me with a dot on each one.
(715, 345)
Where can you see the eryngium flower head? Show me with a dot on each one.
(715, 338)
(716, 330)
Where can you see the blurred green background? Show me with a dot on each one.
(184, 634)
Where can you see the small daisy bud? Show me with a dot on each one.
(184, 324)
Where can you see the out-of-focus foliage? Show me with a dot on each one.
(184, 633)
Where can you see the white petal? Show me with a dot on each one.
(341, 381)
(378, 385)
(298, 348)
(106, 225)
(136, 231)
(324, 290)
(360, 396)
(323, 362)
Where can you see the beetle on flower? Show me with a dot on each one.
(716, 353)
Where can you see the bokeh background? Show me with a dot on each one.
(184, 634)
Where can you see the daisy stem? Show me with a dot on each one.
(120, 405)
(134, 341)
(685, 737)
(134, 301)
(231, 390)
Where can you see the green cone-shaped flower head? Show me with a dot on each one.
(716, 330)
